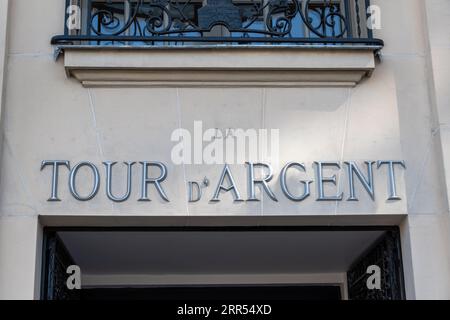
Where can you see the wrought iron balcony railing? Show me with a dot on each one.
(235, 22)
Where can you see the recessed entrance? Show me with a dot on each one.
(222, 264)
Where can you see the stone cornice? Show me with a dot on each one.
(218, 66)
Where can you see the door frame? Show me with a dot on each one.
(49, 231)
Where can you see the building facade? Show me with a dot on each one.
(200, 145)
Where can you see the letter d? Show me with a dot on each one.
(194, 196)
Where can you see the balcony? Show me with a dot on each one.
(235, 22)
(301, 42)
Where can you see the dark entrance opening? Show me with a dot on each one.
(146, 263)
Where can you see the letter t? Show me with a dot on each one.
(55, 164)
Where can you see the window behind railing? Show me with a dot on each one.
(172, 22)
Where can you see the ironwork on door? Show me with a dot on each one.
(56, 261)
(385, 255)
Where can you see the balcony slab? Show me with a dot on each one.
(211, 66)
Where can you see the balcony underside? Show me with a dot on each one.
(255, 66)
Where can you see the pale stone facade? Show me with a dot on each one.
(359, 108)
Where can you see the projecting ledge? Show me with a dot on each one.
(208, 66)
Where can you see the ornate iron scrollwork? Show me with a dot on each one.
(270, 21)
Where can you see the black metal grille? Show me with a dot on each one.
(181, 22)
(56, 261)
(387, 255)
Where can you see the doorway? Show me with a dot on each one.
(222, 263)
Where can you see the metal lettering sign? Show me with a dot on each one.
(154, 174)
